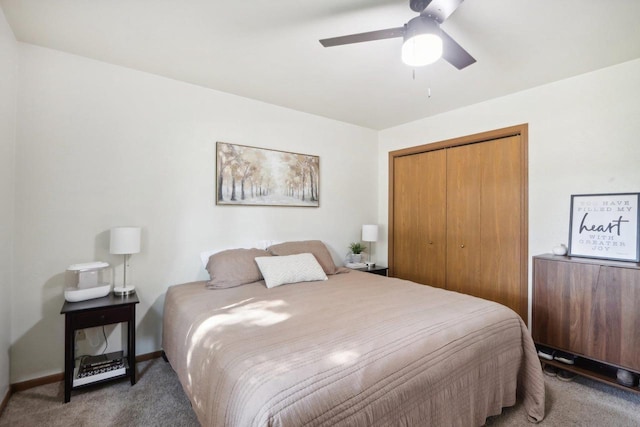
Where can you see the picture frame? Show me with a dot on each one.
(253, 176)
(605, 226)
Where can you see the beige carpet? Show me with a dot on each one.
(158, 400)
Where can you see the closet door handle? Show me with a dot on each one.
(430, 242)
(462, 246)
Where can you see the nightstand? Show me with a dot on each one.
(98, 312)
(379, 270)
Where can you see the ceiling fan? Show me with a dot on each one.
(424, 41)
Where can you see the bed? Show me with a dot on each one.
(356, 349)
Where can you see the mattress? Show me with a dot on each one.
(356, 350)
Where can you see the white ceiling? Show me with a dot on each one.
(268, 49)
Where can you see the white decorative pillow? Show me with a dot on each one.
(281, 270)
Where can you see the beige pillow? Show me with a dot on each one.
(315, 247)
(234, 267)
(281, 270)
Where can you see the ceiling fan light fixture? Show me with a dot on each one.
(422, 42)
(422, 50)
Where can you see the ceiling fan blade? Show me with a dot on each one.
(441, 9)
(389, 33)
(454, 54)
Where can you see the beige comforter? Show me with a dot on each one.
(356, 350)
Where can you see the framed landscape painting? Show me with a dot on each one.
(605, 226)
(254, 176)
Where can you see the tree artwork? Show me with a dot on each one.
(259, 176)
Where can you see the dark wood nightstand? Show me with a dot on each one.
(378, 269)
(98, 312)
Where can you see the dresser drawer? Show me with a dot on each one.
(91, 318)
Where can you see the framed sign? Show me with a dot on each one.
(252, 176)
(605, 226)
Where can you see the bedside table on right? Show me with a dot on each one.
(377, 269)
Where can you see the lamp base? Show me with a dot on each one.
(124, 290)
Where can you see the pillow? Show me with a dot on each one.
(234, 267)
(204, 256)
(281, 270)
(315, 247)
(260, 244)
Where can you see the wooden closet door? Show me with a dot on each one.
(484, 210)
(419, 223)
(464, 172)
(501, 213)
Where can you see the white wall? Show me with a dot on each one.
(8, 65)
(101, 146)
(583, 138)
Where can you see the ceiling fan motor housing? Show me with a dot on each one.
(419, 5)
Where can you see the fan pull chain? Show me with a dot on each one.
(413, 73)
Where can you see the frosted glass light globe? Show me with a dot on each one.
(422, 49)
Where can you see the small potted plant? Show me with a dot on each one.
(356, 251)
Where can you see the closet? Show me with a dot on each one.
(458, 216)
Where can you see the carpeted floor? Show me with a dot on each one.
(158, 400)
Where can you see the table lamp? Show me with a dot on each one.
(370, 234)
(124, 241)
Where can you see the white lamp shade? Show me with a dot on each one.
(370, 233)
(125, 240)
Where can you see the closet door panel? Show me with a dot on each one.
(419, 218)
(464, 174)
(500, 218)
(406, 217)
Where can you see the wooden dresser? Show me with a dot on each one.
(590, 308)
